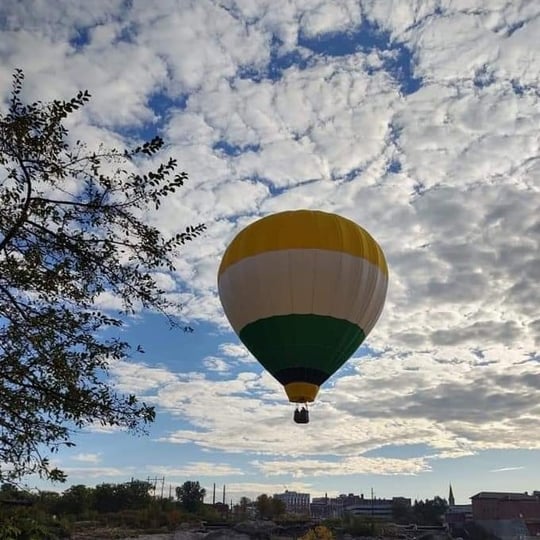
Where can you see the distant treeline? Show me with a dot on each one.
(49, 514)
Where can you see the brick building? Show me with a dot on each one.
(500, 505)
(495, 510)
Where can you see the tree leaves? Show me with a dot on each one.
(190, 495)
(71, 231)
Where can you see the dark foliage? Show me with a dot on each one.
(269, 507)
(191, 496)
(71, 229)
(430, 511)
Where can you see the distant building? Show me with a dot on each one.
(222, 508)
(501, 505)
(295, 503)
(325, 507)
(507, 515)
(451, 500)
(356, 505)
(457, 515)
(377, 508)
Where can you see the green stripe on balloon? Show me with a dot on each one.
(295, 341)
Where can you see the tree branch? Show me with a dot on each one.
(24, 212)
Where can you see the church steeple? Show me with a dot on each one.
(451, 500)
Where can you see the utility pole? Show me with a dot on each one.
(153, 482)
(372, 523)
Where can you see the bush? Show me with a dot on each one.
(318, 533)
(362, 526)
(27, 524)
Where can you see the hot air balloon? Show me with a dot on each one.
(303, 289)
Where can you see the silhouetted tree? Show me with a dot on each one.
(277, 506)
(115, 497)
(401, 510)
(72, 228)
(106, 498)
(242, 507)
(264, 506)
(430, 511)
(190, 495)
(135, 494)
(269, 507)
(78, 500)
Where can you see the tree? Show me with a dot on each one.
(72, 229)
(361, 525)
(191, 496)
(269, 507)
(401, 510)
(242, 508)
(106, 498)
(264, 506)
(115, 497)
(135, 494)
(277, 507)
(244, 504)
(78, 500)
(430, 511)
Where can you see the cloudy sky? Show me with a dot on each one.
(419, 120)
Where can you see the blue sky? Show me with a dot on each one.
(417, 119)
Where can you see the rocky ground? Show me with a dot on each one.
(242, 531)
(253, 530)
(119, 534)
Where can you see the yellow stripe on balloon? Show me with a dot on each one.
(304, 229)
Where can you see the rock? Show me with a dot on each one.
(256, 530)
(226, 534)
(189, 535)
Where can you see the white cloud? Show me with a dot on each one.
(87, 458)
(506, 469)
(195, 469)
(98, 472)
(456, 405)
(218, 43)
(350, 465)
(253, 489)
(237, 351)
(96, 427)
(212, 363)
(139, 378)
(109, 302)
(452, 360)
(331, 17)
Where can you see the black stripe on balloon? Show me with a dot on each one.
(301, 374)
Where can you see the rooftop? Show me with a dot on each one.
(504, 495)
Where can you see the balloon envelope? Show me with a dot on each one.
(302, 289)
